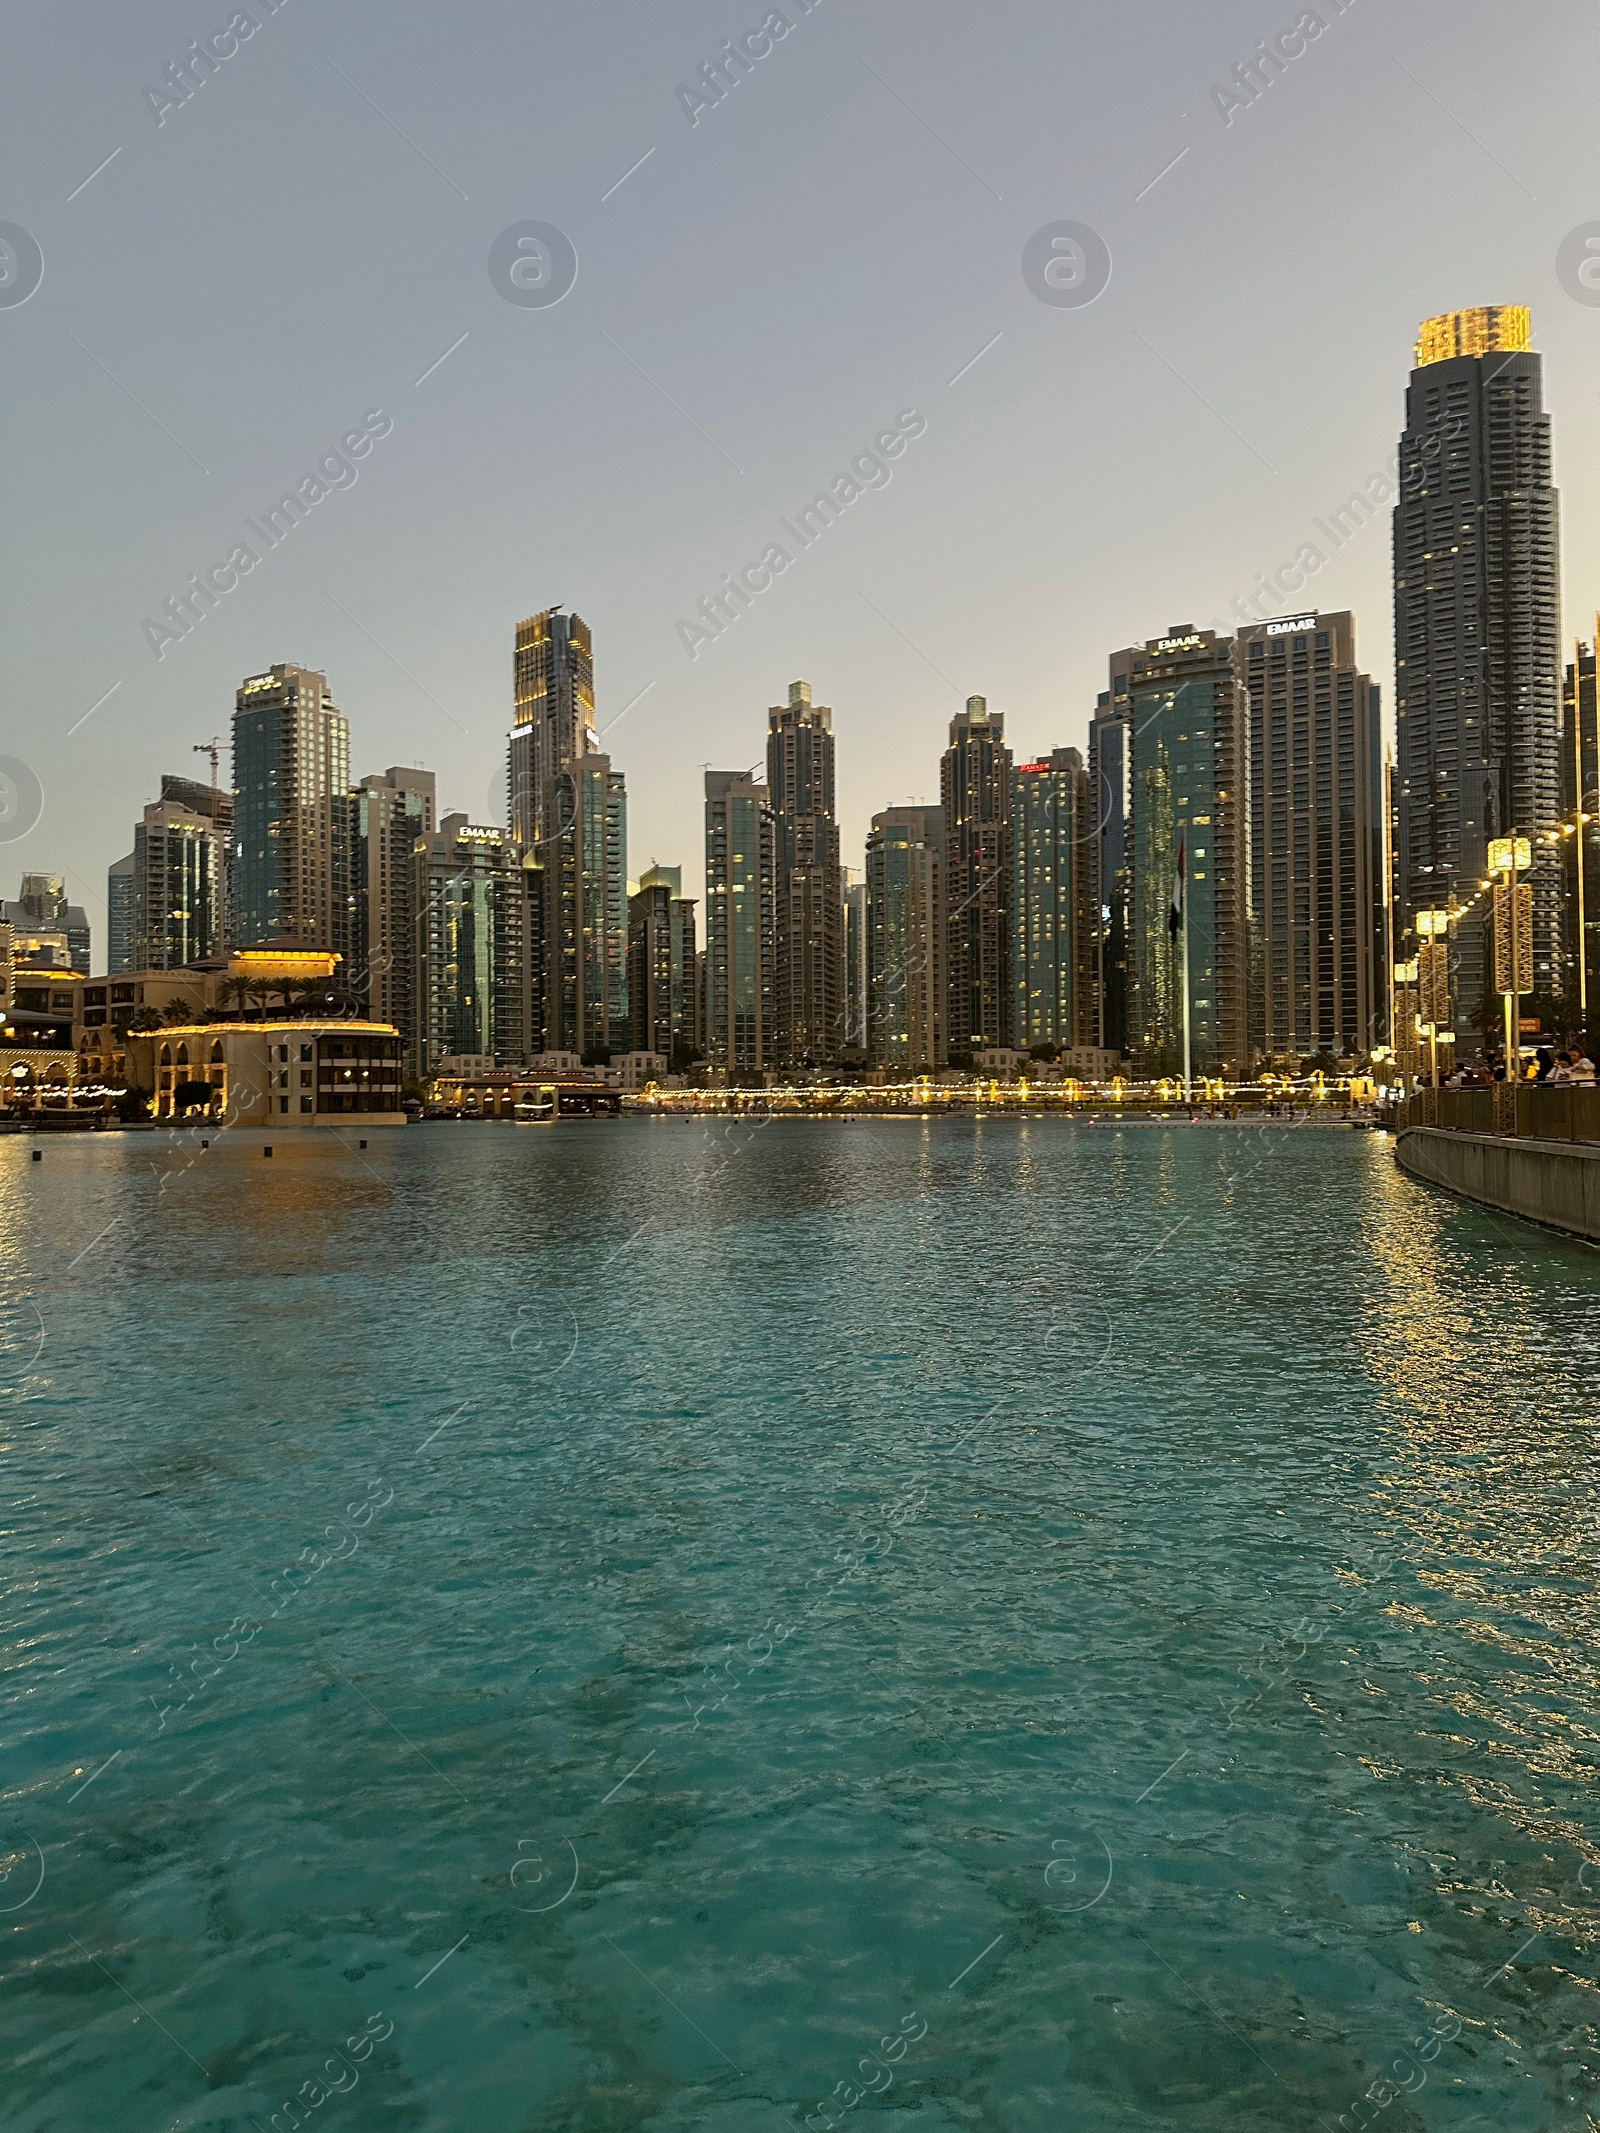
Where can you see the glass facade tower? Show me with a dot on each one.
(291, 775)
(1189, 787)
(1051, 943)
(740, 865)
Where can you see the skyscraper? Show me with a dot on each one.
(808, 990)
(291, 776)
(48, 933)
(215, 803)
(907, 989)
(1477, 636)
(1111, 855)
(855, 964)
(178, 871)
(119, 915)
(650, 969)
(1580, 792)
(585, 872)
(568, 810)
(740, 921)
(1189, 786)
(1051, 944)
(518, 898)
(1316, 813)
(975, 793)
(662, 1007)
(475, 971)
(387, 816)
(553, 716)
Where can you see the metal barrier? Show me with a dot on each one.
(1561, 1111)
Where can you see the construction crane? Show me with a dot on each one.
(212, 748)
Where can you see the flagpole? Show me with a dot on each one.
(1188, 1077)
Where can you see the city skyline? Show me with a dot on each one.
(1249, 1001)
(1220, 784)
(557, 710)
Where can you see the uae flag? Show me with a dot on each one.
(1175, 915)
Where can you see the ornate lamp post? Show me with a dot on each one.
(1509, 859)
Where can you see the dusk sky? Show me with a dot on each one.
(837, 243)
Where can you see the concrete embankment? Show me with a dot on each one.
(1554, 1183)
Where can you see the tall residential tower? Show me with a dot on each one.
(1051, 942)
(291, 776)
(568, 811)
(1189, 783)
(388, 814)
(907, 992)
(1477, 628)
(1316, 821)
(740, 924)
(1111, 856)
(975, 792)
(808, 987)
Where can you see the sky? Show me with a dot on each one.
(837, 247)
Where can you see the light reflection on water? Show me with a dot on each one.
(938, 1519)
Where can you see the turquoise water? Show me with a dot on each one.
(1024, 1626)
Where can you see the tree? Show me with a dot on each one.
(143, 1018)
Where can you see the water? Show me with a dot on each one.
(1097, 1626)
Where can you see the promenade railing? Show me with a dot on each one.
(1563, 1111)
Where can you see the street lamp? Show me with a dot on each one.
(1404, 1023)
(1509, 858)
(1433, 979)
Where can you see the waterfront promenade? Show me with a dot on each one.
(1528, 1150)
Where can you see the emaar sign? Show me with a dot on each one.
(1284, 629)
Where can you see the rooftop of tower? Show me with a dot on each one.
(1491, 329)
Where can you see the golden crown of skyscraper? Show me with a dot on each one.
(1492, 328)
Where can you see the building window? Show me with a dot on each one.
(283, 1103)
(305, 1103)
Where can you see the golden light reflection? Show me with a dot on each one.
(1487, 1386)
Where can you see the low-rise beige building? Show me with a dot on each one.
(279, 1074)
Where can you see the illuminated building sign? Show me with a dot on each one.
(1283, 629)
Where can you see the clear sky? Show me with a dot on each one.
(840, 239)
